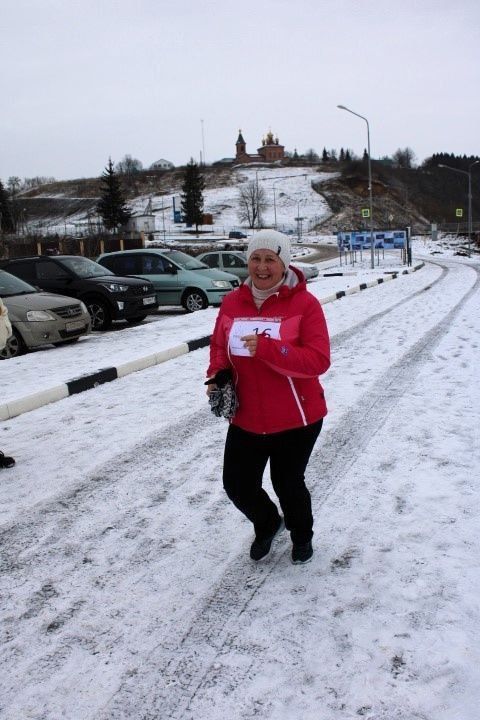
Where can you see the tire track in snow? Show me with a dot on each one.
(341, 337)
(196, 662)
(343, 443)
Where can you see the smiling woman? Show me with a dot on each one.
(272, 336)
(266, 269)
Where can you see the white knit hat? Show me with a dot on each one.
(271, 240)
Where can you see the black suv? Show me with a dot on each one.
(107, 296)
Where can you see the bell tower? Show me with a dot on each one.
(241, 145)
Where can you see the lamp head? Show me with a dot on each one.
(341, 107)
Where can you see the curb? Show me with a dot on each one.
(14, 408)
(372, 283)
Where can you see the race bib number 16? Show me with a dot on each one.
(256, 326)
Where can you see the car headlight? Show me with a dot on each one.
(220, 283)
(39, 315)
(115, 287)
(83, 307)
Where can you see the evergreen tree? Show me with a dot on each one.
(348, 155)
(192, 194)
(342, 155)
(6, 220)
(325, 157)
(111, 206)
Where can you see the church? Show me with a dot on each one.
(271, 151)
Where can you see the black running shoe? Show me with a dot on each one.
(302, 553)
(6, 461)
(261, 548)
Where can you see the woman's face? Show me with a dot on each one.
(265, 269)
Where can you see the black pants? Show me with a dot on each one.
(246, 455)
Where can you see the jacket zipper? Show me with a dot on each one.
(297, 400)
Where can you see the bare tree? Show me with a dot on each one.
(128, 166)
(404, 158)
(311, 155)
(14, 184)
(37, 181)
(251, 204)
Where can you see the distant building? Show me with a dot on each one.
(140, 224)
(162, 165)
(143, 222)
(271, 151)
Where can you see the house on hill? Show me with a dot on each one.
(162, 165)
(270, 151)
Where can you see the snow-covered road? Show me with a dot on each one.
(127, 591)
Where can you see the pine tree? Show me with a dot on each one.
(6, 220)
(325, 157)
(192, 195)
(342, 155)
(111, 206)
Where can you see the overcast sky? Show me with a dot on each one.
(82, 80)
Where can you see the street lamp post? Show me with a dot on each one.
(372, 253)
(255, 210)
(468, 173)
(274, 207)
(275, 199)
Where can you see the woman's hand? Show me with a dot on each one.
(250, 342)
(210, 388)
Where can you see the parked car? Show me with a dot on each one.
(309, 270)
(236, 235)
(39, 318)
(107, 297)
(232, 261)
(178, 278)
(235, 261)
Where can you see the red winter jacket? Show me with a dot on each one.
(278, 389)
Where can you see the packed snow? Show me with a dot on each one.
(127, 589)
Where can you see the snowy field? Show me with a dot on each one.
(126, 588)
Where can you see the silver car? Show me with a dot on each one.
(235, 261)
(39, 318)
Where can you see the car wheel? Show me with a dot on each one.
(194, 300)
(99, 313)
(138, 318)
(14, 347)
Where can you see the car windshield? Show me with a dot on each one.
(187, 262)
(84, 268)
(11, 285)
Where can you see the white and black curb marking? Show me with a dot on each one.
(87, 382)
(364, 286)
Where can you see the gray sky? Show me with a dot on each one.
(85, 79)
